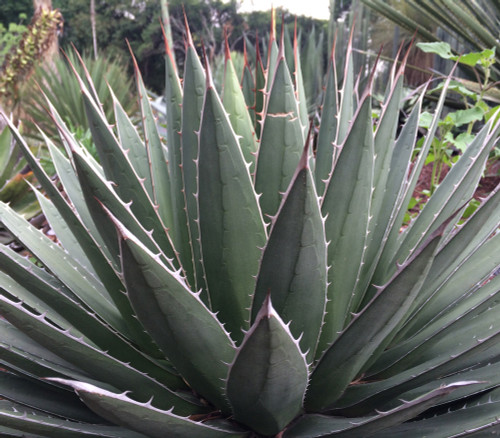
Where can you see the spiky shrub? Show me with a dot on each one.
(211, 288)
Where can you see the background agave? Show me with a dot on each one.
(235, 285)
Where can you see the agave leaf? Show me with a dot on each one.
(477, 418)
(260, 95)
(457, 316)
(293, 266)
(98, 192)
(12, 289)
(486, 378)
(234, 103)
(268, 377)
(187, 332)
(456, 189)
(86, 287)
(346, 105)
(346, 206)
(474, 271)
(16, 417)
(192, 103)
(22, 355)
(392, 243)
(98, 363)
(99, 263)
(467, 239)
(45, 396)
(443, 356)
(342, 362)
(384, 191)
(44, 293)
(231, 225)
(71, 241)
(281, 141)
(419, 349)
(328, 128)
(8, 157)
(273, 54)
(134, 145)
(64, 235)
(119, 170)
(300, 91)
(180, 227)
(72, 187)
(332, 426)
(143, 417)
(390, 213)
(248, 87)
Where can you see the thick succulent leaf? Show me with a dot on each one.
(487, 378)
(346, 206)
(293, 266)
(126, 182)
(342, 362)
(231, 225)
(22, 355)
(44, 293)
(83, 285)
(46, 397)
(474, 345)
(132, 142)
(456, 189)
(467, 239)
(188, 333)
(332, 426)
(273, 54)
(86, 356)
(234, 103)
(99, 262)
(477, 418)
(281, 141)
(15, 417)
(192, 103)
(454, 319)
(157, 158)
(99, 192)
(347, 97)
(387, 220)
(300, 90)
(328, 128)
(67, 175)
(180, 227)
(64, 235)
(268, 377)
(419, 350)
(476, 269)
(8, 156)
(260, 95)
(384, 191)
(143, 417)
(248, 88)
(401, 161)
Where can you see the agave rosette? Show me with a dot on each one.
(231, 280)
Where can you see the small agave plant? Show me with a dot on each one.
(234, 281)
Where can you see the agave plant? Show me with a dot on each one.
(221, 286)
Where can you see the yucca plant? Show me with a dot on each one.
(221, 286)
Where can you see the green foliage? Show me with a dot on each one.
(61, 87)
(10, 36)
(452, 139)
(15, 180)
(235, 282)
